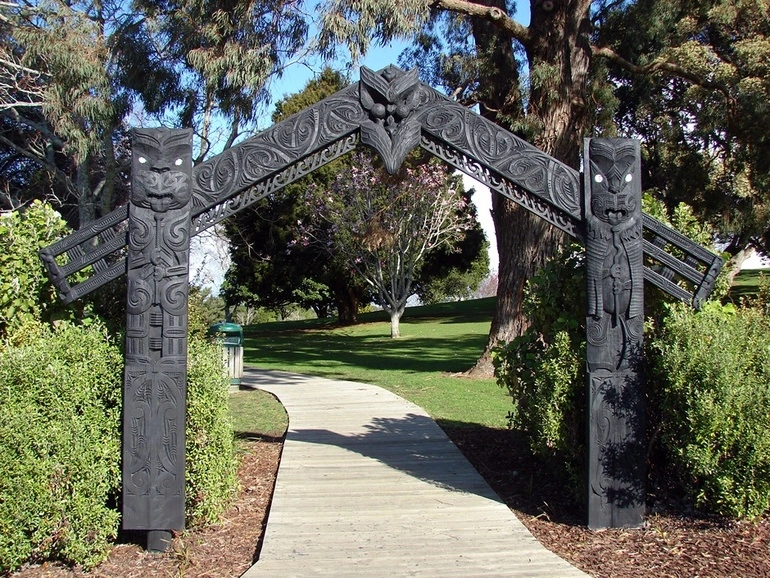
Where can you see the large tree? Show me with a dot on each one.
(263, 271)
(547, 81)
(704, 143)
(75, 75)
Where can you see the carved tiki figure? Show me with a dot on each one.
(156, 336)
(613, 253)
(614, 325)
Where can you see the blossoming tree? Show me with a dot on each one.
(385, 224)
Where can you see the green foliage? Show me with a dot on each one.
(204, 310)
(271, 267)
(26, 294)
(544, 369)
(60, 399)
(711, 378)
(703, 138)
(60, 396)
(211, 464)
(455, 272)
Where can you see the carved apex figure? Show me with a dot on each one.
(390, 96)
(613, 252)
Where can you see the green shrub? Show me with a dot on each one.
(211, 463)
(60, 400)
(711, 376)
(204, 310)
(544, 369)
(25, 292)
(59, 445)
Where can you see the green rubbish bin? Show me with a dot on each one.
(230, 335)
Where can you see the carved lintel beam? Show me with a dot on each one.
(154, 391)
(614, 325)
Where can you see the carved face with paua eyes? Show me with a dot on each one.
(613, 179)
(162, 169)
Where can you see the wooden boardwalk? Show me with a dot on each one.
(370, 486)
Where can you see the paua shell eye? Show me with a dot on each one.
(142, 160)
(629, 178)
(178, 162)
(599, 178)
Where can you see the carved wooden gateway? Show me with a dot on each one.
(391, 112)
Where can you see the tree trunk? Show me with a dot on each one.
(395, 320)
(86, 202)
(347, 301)
(559, 55)
(733, 266)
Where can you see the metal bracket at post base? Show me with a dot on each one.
(159, 541)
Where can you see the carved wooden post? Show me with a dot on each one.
(156, 335)
(615, 325)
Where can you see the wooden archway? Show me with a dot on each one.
(392, 112)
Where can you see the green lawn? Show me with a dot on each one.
(437, 343)
(257, 414)
(746, 283)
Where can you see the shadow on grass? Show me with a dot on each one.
(326, 350)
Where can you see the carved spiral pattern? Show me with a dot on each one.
(513, 158)
(292, 173)
(596, 333)
(272, 150)
(177, 235)
(140, 234)
(174, 297)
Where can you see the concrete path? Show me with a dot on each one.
(370, 486)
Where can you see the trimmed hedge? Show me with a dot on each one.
(712, 375)
(211, 461)
(59, 446)
(60, 403)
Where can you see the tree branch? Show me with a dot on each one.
(495, 15)
(57, 172)
(660, 64)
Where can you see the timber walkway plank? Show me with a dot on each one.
(370, 486)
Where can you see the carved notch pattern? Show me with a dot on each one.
(156, 333)
(503, 186)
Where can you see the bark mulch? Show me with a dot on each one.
(671, 545)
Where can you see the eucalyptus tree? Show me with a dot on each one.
(105, 66)
(546, 80)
